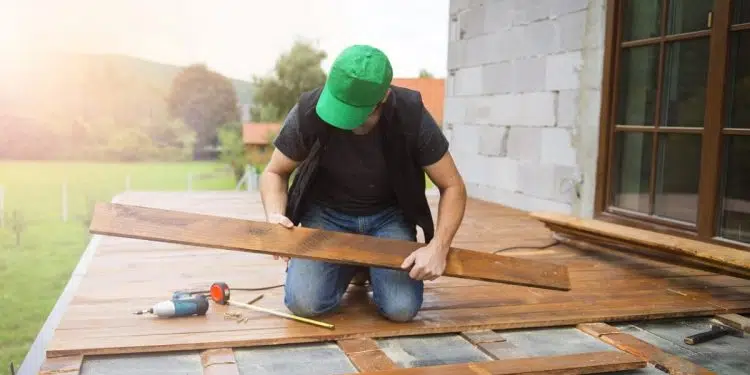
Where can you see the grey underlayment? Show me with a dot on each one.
(543, 342)
(144, 364)
(303, 359)
(434, 350)
(523, 99)
(725, 355)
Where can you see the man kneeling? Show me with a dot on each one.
(361, 147)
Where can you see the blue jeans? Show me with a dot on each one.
(316, 287)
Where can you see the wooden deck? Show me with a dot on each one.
(128, 275)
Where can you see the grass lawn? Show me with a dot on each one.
(33, 275)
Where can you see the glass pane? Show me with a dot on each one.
(636, 97)
(688, 15)
(684, 89)
(740, 11)
(677, 174)
(631, 171)
(641, 19)
(738, 81)
(734, 223)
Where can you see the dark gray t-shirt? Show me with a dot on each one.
(352, 176)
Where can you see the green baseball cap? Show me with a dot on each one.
(359, 79)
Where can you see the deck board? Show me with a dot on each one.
(126, 275)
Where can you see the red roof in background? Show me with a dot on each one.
(257, 133)
(433, 96)
(432, 90)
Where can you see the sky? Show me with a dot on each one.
(238, 38)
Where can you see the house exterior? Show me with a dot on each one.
(258, 140)
(432, 91)
(635, 112)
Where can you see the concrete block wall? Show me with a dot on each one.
(522, 100)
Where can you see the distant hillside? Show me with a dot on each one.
(164, 73)
(46, 99)
(51, 82)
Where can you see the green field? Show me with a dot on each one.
(33, 275)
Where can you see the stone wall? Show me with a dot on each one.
(522, 100)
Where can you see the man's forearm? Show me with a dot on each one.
(273, 192)
(450, 214)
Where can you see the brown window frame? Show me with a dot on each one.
(718, 32)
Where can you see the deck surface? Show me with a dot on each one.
(127, 275)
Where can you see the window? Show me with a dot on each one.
(676, 118)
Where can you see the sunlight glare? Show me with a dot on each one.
(12, 49)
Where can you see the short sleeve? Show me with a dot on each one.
(290, 140)
(431, 143)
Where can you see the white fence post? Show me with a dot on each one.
(253, 183)
(64, 199)
(2, 207)
(250, 178)
(127, 183)
(190, 181)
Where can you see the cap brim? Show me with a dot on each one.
(340, 114)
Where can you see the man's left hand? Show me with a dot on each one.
(428, 262)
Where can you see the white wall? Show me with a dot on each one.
(522, 103)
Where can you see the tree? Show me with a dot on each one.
(295, 72)
(232, 148)
(204, 100)
(425, 74)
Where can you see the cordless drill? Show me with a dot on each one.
(181, 304)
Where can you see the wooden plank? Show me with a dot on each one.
(707, 252)
(482, 336)
(194, 334)
(607, 285)
(69, 365)
(253, 236)
(735, 320)
(666, 362)
(590, 242)
(585, 363)
(219, 362)
(366, 355)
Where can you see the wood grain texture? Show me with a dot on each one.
(737, 321)
(482, 336)
(585, 363)
(607, 286)
(706, 252)
(587, 241)
(70, 365)
(366, 355)
(260, 237)
(219, 362)
(637, 347)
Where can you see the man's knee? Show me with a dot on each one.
(307, 305)
(398, 297)
(401, 309)
(312, 287)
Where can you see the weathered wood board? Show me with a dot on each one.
(126, 275)
(734, 260)
(254, 236)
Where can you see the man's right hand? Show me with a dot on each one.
(281, 220)
(284, 222)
